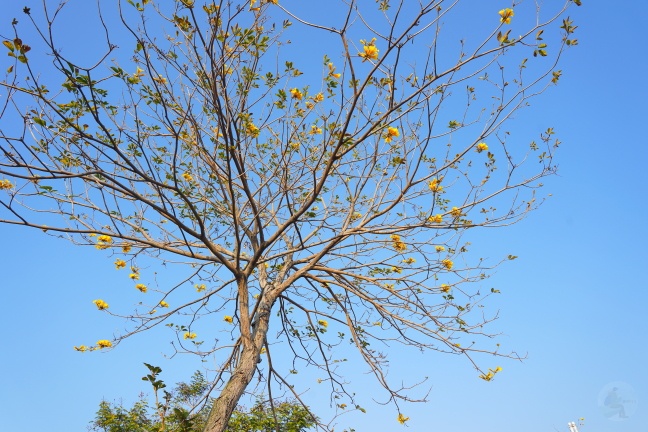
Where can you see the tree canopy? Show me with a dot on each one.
(316, 212)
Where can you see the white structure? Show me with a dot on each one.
(572, 427)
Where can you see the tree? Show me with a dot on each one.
(335, 199)
(184, 410)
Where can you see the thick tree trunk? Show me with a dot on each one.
(242, 375)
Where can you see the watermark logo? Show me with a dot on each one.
(617, 401)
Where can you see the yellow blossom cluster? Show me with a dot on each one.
(126, 248)
(81, 348)
(448, 264)
(332, 72)
(445, 288)
(188, 335)
(439, 248)
(252, 130)
(134, 276)
(164, 304)
(398, 244)
(323, 323)
(104, 242)
(481, 147)
(315, 130)
(370, 51)
(409, 261)
(5, 184)
(435, 185)
(456, 212)
(141, 287)
(104, 343)
(392, 132)
(120, 264)
(187, 177)
(296, 94)
(200, 287)
(101, 305)
(319, 97)
(436, 218)
(506, 15)
(402, 419)
(491, 373)
(228, 319)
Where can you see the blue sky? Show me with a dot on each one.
(574, 300)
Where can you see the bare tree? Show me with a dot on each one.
(334, 200)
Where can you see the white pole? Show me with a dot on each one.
(572, 427)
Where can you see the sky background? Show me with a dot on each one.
(575, 301)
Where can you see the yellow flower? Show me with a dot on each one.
(228, 319)
(272, 1)
(126, 248)
(5, 184)
(134, 276)
(187, 177)
(164, 304)
(319, 97)
(120, 264)
(188, 335)
(498, 369)
(439, 248)
(447, 264)
(392, 132)
(332, 71)
(445, 288)
(481, 147)
(103, 343)
(103, 242)
(143, 288)
(409, 261)
(160, 79)
(355, 216)
(296, 94)
(435, 185)
(399, 245)
(506, 15)
(489, 376)
(436, 218)
(397, 270)
(323, 323)
(455, 212)
(315, 130)
(402, 419)
(263, 350)
(101, 305)
(81, 348)
(252, 130)
(370, 50)
(200, 288)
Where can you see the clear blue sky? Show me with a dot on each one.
(574, 300)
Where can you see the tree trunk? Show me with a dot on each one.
(242, 375)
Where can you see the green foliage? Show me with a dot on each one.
(263, 417)
(184, 410)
